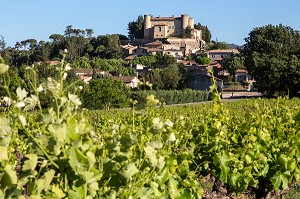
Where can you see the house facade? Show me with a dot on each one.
(86, 74)
(130, 81)
(219, 55)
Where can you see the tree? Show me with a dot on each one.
(89, 32)
(206, 35)
(144, 60)
(170, 77)
(104, 93)
(154, 76)
(107, 46)
(2, 43)
(136, 28)
(187, 33)
(204, 60)
(232, 63)
(272, 57)
(215, 45)
(163, 61)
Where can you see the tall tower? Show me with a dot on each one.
(191, 22)
(184, 21)
(147, 27)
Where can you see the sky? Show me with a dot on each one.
(228, 20)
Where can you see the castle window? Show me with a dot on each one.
(159, 29)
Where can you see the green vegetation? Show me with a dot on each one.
(215, 45)
(136, 28)
(272, 58)
(232, 63)
(171, 96)
(206, 35)
(63, 151)
(104, 93)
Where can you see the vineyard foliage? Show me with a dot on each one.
(67, 152)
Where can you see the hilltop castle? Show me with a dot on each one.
(163, 27)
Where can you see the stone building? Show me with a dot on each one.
(164, 27)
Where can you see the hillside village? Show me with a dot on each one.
(163, 35)
(163, 54)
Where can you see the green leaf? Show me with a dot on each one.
(3, 68)
(151, 155)
(9, 177)
(281, 180)
(3, 153)
(59, 132)
(58, 192)
(43, 184)
(76, 193)
(129, 170)
(221, 161)
(172, 187)
(35, 197)
(91, 159)
(5, 131)
(72, 134)
(21, 93)
(31, 163)
(164, 175)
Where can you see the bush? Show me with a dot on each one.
(105, 93)
(171, 96)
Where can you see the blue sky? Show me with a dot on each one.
(229, 21)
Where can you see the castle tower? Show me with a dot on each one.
(191, 22)
(184, 21)
(147, 27)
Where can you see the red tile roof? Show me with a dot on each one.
(241, 71)
(163, 19)
(87, 70)
(125, 79)
(224, 51)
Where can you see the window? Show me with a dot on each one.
(241, 78)
(159, 29)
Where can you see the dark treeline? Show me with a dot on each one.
(80, 44)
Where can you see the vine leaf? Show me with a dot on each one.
(281, 180)
(129, 171)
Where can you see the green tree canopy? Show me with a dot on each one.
(104, 93)
(154, 76)
(144, 60)
(272, 56)
(2, 43)
(206, 35)
(136, 28)
(233, 62)
(107, 46)
(215, 45)
(187, 33)
(170, 77)
(163, 61)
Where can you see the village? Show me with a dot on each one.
(163, 36)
